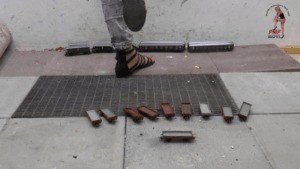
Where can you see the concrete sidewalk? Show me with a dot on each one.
(217, 145)
(269, 139)
(61, 143)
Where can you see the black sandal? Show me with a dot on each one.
(134, 13)
(122, 69)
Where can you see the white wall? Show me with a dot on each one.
(44, 24)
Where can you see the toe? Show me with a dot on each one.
(152, 58)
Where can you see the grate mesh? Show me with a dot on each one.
(69, 96)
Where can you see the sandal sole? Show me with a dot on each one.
(134, 13)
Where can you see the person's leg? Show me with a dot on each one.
(282, 28)
(275, 23)
(128, 60)
(121, 38)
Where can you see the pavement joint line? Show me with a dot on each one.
(218, 70)
(124, 149)
(260, 146)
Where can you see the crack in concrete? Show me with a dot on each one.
(183, 2)
(124, 148)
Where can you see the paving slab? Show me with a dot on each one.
(29, 63)
(254, 58)
(267, 92)
(12, 93)
(241, 59)
(71, 143)
(103, 64)
(279, 137)
(39, 63)
(217, 145)
(180, 63)
(94, 64)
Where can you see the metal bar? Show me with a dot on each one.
(214, 46)
(77, 49)
(162, 46)
(103, 48)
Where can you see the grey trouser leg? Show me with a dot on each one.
(121, 38)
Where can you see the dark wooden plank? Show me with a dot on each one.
(134, 114)
(186, 110)
(148, 112)
(167, 110)
(108, 115)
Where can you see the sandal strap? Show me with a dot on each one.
(132, 57)
(148, 60)
(136, 65)
(143, 61)
(122, 54)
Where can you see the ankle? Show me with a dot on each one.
(128, 49)
(122, 55)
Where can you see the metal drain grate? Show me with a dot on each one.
(69, 96)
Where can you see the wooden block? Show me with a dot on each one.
(94, 117)
(244, 111)
(148, 112)
(186, 110)
(205, 110)
(167, 110)
(227, 114)
(134, 114)
(108, 115)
